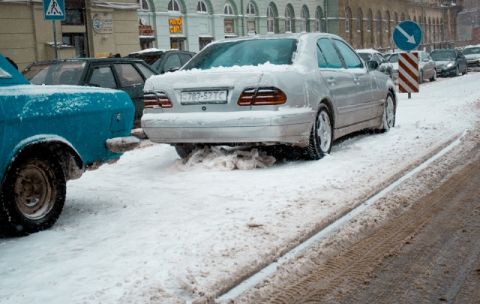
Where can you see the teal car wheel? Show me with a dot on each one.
(33, 195)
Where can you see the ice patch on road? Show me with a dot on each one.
(219, 158)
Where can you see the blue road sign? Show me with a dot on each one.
(407, 35)
(54, 9)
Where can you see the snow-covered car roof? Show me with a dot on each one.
(297, 36)
(370, 51)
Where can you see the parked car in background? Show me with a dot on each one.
(427, 70)
(384, 65)
(163, 61)
(48, 135)
(449, 62)
(472, 54)
(264, 90)
(125, 74)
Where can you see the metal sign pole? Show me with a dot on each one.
(55, 39)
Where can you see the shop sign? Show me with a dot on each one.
(145, 30)
(103, 23)
(176, 25)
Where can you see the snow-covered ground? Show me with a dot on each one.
(150, 229)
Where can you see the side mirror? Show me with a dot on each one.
(174, 69)
(372, 65)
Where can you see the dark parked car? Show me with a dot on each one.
(126, 74)
(449, 62)
(163, 61)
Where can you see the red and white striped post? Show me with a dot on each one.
(408, 78)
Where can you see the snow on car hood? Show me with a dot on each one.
(216, 77)
(472, 56)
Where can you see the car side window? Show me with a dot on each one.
(144, 70)
(185, 58)
(326, 48)
(172, 62)
(128, 75)
(351, 58)
(322, 63)
(102, 76)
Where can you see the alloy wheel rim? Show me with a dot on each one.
(33, 194)
(324, 131)
(389, 112)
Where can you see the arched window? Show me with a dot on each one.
(144, 6)
(271, 18)
(173, 6)
(304, 17)
(348, 19)
(370, 21)
(228, 9)
(387, 22)
(229, 20)
(251, 9)
(289, 19)
(402, 18)
(201, 7)
(395, 19)
(251, 13)
(319, 19)
(359, 26)
(378, 26)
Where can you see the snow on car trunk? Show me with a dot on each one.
(150, 230)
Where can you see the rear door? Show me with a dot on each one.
(338, 79)
(132, 82)
(363, 103)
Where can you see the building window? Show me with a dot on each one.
(289, 17)
(144, 5)
(228, 21)
(251, 11)
(304, 19)
(348, 17)
(318, 19)
(173, 6)
(271, 14)
(359, 22)
(201, 7)
(228, 9)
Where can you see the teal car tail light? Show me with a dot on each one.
(263, 96)
(153, 100)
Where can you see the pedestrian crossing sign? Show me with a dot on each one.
(54, 9)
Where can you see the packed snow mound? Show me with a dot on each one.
(219, 158)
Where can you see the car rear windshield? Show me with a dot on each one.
(366, 56)
(69, 73)
(245, 52)
(443, 55)
(393, 58)
(470, 51)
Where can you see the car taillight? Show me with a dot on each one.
(262, 97)
(156, 100)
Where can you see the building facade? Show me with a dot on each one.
(92, 28)
(191, 24)
(468, 22)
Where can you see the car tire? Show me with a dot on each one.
(457, 71)
(184, 150)
(466, 71)
(33, 194)
(388, 117)
(434, 76)
(321, 135)
(420, 77)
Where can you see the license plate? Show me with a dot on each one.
(204, 97)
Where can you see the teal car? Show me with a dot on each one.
(51, 134)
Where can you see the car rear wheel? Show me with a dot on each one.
(321, 137)
(33, 195)
(457, 71)
(388, 120)
(434, 76)
(184, 150)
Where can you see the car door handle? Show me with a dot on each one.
(331, 81)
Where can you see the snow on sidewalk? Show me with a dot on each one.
(149, 229)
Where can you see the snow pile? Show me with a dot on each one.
(226, 160)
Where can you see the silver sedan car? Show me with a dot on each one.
(302, 90)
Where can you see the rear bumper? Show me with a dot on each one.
(291, 126)
(122, 144)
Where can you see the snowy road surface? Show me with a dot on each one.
(149, 229)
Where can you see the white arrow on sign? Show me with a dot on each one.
(410, 38)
